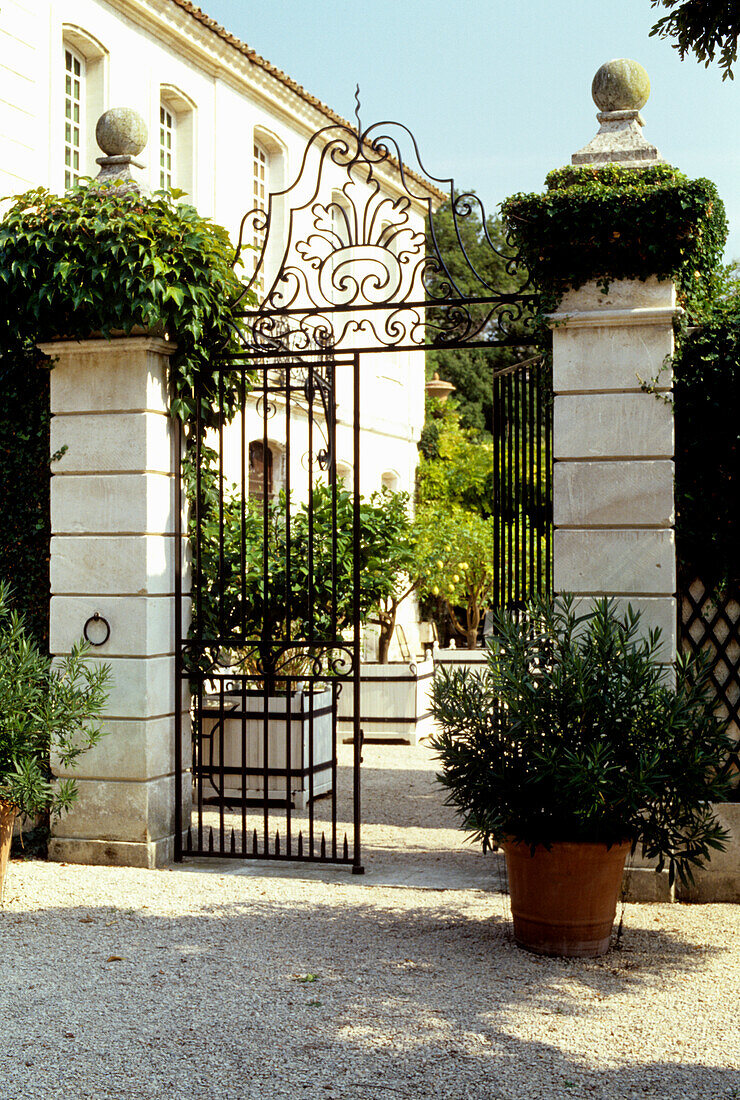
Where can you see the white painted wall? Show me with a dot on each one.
(137, 52)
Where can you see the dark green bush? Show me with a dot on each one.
(573, 733)
(606, 223)
(707, 404)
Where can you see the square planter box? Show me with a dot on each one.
(243, 775)
(394, 702)
(460, 658)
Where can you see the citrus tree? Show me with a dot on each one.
(279, 596)
(455, 563)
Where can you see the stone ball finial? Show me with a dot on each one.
(621, 85)
(121, 131)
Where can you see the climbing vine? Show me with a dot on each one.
(607, 223)
(98, 261)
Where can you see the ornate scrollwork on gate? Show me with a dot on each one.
(363, 268)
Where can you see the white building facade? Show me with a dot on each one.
(225, 127)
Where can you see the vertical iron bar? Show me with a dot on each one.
(198, 757)
(266, 639)
(289, 758)
(540, 486)
(288, 617)
(509, 493)
(221, 554)
(243, 749)
(311, 588)
(532, 512)
(198, 520)
(197, 733)
(243, 579)
(311, 758)
(517, 472)
(548, 491)
(332, 434)
(496, 492)
(357, 868)
(334, 722)
(178, 641)
(221, 763)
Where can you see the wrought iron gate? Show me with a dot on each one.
(272, 472)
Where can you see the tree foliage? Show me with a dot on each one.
(455, 563)
(98, 260)
(703, 27)
(455, 466)
(24, 486)
(471, 369)
(707, 399)
(278, 594)
(607, 223)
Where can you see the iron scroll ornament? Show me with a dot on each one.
(357, 271)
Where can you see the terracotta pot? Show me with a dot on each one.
(8, 815)
(564, 900)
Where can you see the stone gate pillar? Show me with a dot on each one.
(613, 442)
(613, 450)
(613, 447)
(113, 555)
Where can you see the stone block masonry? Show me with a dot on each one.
(113, 553)
(614, 446)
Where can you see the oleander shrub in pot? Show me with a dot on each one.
(571, 747)
(47, 710)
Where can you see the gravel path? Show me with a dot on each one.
(206, 982)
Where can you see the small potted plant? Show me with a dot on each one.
(47, 711)
(573, 746)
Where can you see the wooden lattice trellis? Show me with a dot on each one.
(710, 623)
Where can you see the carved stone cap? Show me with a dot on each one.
(122, 134)
(620, 88)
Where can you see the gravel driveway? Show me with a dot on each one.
(209, 981)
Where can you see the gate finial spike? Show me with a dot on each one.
(357, 110)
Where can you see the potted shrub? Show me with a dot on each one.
(277, 646)
(46, 710)
(573, 746)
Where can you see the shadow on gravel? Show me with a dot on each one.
(338, 999)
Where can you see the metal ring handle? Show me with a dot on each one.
(96, 618)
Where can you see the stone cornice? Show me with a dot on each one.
(95, 345)
(589, 318)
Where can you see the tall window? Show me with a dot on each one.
(176, 120)
(166, 147)
(261, 174)
(260, 471)
(74, 77)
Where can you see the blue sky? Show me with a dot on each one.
(498, 93)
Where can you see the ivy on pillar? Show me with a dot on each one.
(608, 246)
(113, 562)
